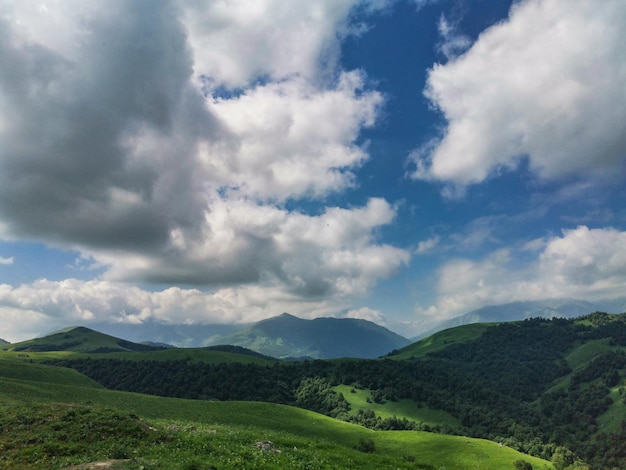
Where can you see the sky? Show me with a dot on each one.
(213, 161)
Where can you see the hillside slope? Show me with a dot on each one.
(321, 338)
(516, 311)
(546, 387)
(78, 339)
(166, 433)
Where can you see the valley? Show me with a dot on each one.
(550, 389)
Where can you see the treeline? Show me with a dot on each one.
(497, 386)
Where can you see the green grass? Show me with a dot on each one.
(401, 408)
(585, 353)
(15, 368)
(611, 420)
(78, 339)
(176, 354)
(441, 340)
(197, 434)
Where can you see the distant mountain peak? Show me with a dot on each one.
(286, 335)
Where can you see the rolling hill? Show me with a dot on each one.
(550, 388)
(54, 414)
(78, 339)
(179, 335)
(287, 336)
(515, 311)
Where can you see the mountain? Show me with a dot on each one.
(179, 335)
(78, 339)
(2, 342)
(550, 387)
(321, 338)
(515, 311)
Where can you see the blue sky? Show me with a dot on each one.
(402, 161)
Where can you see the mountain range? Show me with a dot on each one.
(284, 336)
(515, 311)
(287, 336)
(552, 388)
(321, 338)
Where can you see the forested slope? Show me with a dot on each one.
(516, 383)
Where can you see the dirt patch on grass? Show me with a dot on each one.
(102, 464)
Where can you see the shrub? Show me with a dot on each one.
(366, 445)
(522, 465)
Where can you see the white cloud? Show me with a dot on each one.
(527, 88)
(6, 261)
(116, 150)
(581, 263)
(452, 44)
(34, 309)
(240, 241)
(366, 313)
(292, 139)
(237, 42)
(426, 246)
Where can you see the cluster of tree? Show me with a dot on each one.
(498, 386)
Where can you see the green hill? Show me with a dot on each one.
(321, 338)
(523, 310)
(546, 387)
(550, 388)
(441, 340)
(61, 420)
(78, 339)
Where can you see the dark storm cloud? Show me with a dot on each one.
(68, 173)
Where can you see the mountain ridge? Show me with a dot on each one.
(78, 339)
(525, 309)
(287, 336)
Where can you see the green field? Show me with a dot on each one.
(585, 353)
(56, 417)
(358, 399)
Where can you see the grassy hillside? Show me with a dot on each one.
(362, 399)
(77, 339)
(441, 340)
(58, 418)
(550, 388)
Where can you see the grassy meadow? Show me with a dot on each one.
(441, 340)
(55, 418)
(358, 399)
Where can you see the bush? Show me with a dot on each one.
(522, 465)
(366, 445)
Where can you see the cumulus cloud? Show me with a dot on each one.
(33, 309)
(426, 246)
(452, 43)
(366, 313)
(292, 139)
(526, 89)
(580, 263)
(164, 141)
(235, 43)
(333, 253)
